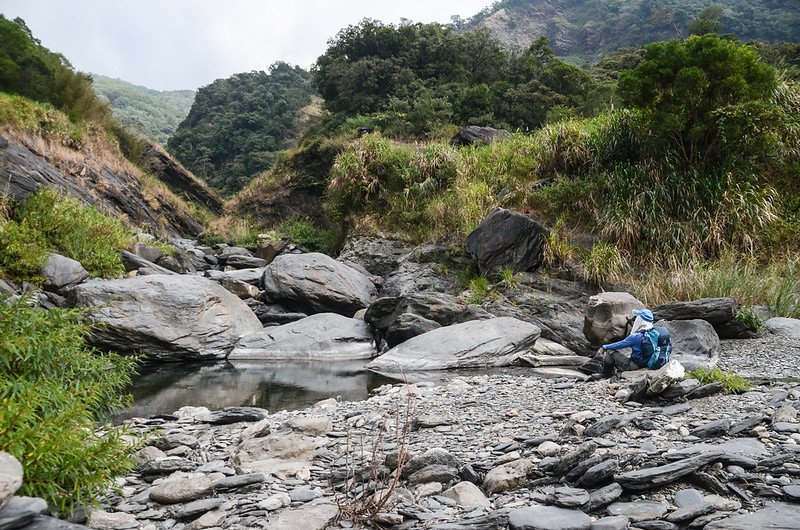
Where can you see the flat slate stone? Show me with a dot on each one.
(777, 516)
(616, 522)
(690, 513)
(643, 479)
(688, 497)
(638, 510)
(19, 511)
(195, 508)
(231, 415)
(548, 518)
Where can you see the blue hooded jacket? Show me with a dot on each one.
(634, 340)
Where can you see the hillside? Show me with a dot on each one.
(237, 125)
(586, 29)
(156, 114)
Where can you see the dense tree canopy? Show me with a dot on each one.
(237, 125)
(418, 76)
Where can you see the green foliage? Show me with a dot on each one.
(412, 79)
(510, 277)
(708, 21)
(237, 126)
(588, 28)
(31, 70)
(558, 249)
(705, 98)
(235, 231)
(46, 222)
(732, 382)
(480, 289)
(41, 119)
(750, 318)
(604, 264)
(155, 113)
(310, 238)
(52, 389)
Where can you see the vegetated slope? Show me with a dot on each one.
(155, 113)
(237, 125)
(589, 28)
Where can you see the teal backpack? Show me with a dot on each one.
(656, 347)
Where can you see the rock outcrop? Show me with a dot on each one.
(507, 239)
(168, 318)
(493, 342)
(694, 343)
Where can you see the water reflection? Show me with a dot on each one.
(162, 389)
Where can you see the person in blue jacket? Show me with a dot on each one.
(614, 358)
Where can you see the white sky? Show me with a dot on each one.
(177, 44)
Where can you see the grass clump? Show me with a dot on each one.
(311, 238)
(46, 222)
(480, 289)
(235, 231)
(604, 264)
(732, 383)
(510, 277)
(53, 388)
(42, 119)
(748, 317)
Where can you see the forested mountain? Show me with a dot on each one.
(155, 113)
(237, 125)
(588, 28)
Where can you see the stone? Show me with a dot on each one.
(783, 327)
(648, 478)
(507, 239)
(600, 474)
(604, 426)
(496, 520)
(239, 261)
(148, 252)
(508, 476)
(304, 495)
(467, 495)
(691, 512)
(249, 276)
(712, 429)
(607, 317)
(102, 520)
(778, 516)
(638, 510)
(43, 522)
(574, 457)
(548, 348)
(408, 326)
(705, 390)
(444, 309)
(168, 318)
(378, 255)
(316, 283)
(433, 456)
(688, 497)
(238, 481)
(548, 448)
(311, 516)
(10, 477)
(694, 343)
(165, 466)
(616, 522)
(143, 267)
(486, 343)
(567, 497)
(476, 135)
(785, 414)
(715, 311)
(792, 491)
(19, 511)
(320, 337)
(602, 497)
(548, 518)
(665, 377)
(310, 425)
(241, 289)
(230, 415)
(195, 508)
(537, 361)
(60, 272)
(273, 314)
(681, 388)
(148, 454)
(433, 473)
(278, 454)
(173, 491)
(212, 519)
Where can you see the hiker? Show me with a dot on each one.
(614, 358)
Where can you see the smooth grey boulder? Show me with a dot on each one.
(507, 239)
(719, 312)
(321, 337)
(694, 343)
(607, 317)
(548, 518)
(60, 272)
(150, 253)
(776, 516)
(493, 342)
(251, 276)
(168, 318)
(408, 326)
(784, 327)
(10, 477)
(316, 283)
(239, 261)
(476, 135)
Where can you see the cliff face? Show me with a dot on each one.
(96, 177)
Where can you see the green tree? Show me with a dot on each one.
(707, 22)
(703, 96)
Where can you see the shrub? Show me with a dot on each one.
(604, 264)
(732, 382)
(52, 389)
(46, 222)
(748, 317)
(311, 238)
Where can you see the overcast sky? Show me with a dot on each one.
(176, 44)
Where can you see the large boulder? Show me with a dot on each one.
(316, 283)
(719, 312)
(784, 327)
(168, 318)
(60, 272)
(493, 342)
(694, 343)
(607, 317)
(378, 255)
(475, 135)
(324, 337)
(507, 239)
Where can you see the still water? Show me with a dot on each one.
(163, 389)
